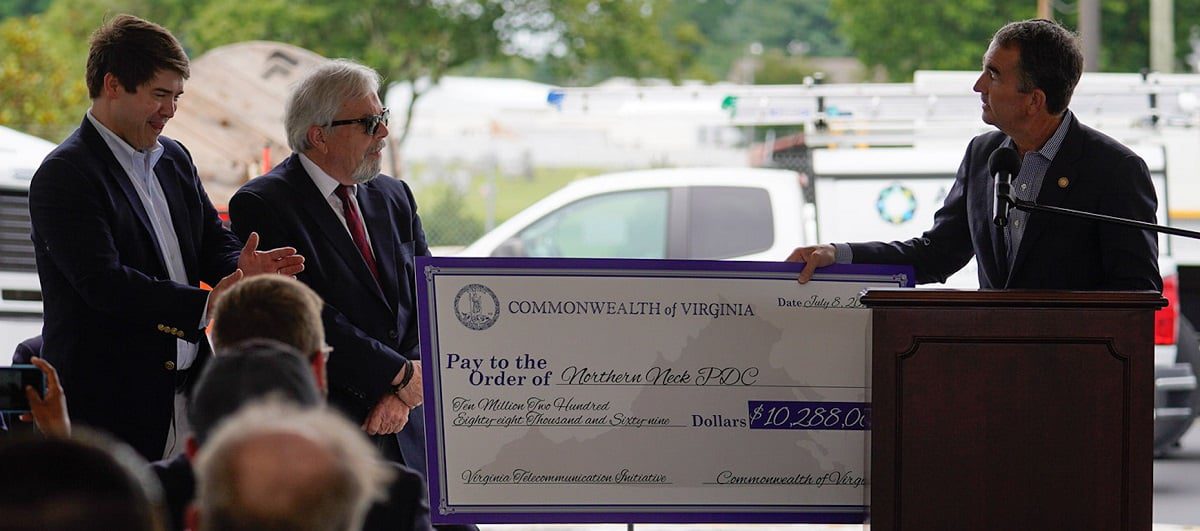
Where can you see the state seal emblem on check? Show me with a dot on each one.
(476, 307)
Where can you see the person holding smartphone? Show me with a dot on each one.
(33, 392)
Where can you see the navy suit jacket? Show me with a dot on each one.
(112, 313)
(178, 481)
(371, 326)
(1057, 252)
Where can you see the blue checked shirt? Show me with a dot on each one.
(1028, 182)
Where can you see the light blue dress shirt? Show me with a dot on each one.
(139, 167)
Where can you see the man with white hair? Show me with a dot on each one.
(360, 232)
(275, 467)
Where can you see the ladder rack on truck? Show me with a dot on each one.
(937, 109)
(933, 97)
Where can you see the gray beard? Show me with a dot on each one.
(367, 170)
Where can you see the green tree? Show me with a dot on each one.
(419, 41)
(1125, 33)
(404, 41)
(778, 68)
(729, 27)
(17, 8)
(447, 222)
(42, 95)
(53, 70)
(932, 35)
(591, 40)
(954, 35)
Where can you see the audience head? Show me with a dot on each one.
(89, 482)
(246, 372)
(275, 467)
(272, 307)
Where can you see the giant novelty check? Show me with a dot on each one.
(645, 390)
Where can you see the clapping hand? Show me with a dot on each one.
(283, 260)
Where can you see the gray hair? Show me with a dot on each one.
(317, 98)
(334, 495)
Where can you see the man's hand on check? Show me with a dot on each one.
(813, 256)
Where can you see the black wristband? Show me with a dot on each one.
(407, 377)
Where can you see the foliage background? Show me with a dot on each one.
(43, 47)
(43, 43)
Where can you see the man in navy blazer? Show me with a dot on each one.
(1029, 73)
(360, 234)
(124, 234)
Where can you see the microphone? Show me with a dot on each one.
(1003, 164)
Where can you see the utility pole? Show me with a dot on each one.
(1043, 10)
(1162, 36)
(1089, 33)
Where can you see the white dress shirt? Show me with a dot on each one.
(328, 187)
(139, 167)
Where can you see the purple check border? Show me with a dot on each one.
(428, 268)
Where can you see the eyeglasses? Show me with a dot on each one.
(371, 123)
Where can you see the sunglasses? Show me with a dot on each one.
(370, 123)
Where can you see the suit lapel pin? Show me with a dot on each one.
(1063, 182)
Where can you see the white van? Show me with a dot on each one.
(20, 291)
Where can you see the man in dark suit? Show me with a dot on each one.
(1029, 73)
(124, 234)
(360, 233)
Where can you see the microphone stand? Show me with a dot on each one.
(1030, 206)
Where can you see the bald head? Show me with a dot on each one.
(273, 467)
(278, 470)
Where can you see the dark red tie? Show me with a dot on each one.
(355, 224)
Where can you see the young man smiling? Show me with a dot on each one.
(124, 234)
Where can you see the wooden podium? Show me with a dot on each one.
(1011, 410)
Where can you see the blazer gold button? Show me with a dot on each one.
(1063, 182)
(161, 328)
(170, 365)
(180, 334)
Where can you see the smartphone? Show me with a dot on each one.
(13, 380)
